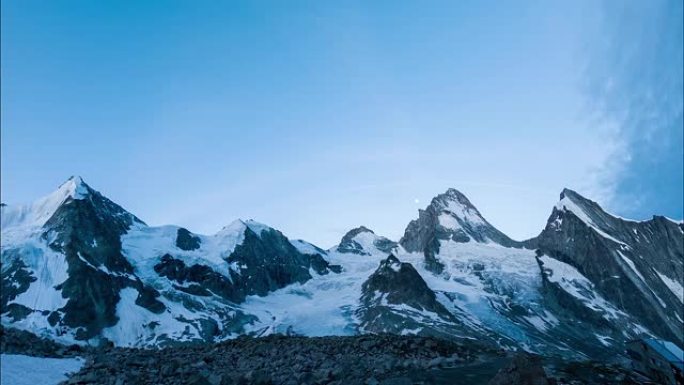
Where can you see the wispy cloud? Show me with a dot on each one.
(635, 87)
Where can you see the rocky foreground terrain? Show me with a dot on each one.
(279, 359)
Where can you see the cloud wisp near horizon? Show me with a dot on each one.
(317, 117)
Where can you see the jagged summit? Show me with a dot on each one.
(450, 216)
(453, 195)
(76, 187)
(363, 241)
(570, 199)
(354, 232)
(37, 213)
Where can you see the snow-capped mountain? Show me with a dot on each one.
(76, 267)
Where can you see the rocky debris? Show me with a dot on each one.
(593, 372)
(524, 369)
(277, 359)
(529, 369)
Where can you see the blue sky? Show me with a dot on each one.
(315, 117)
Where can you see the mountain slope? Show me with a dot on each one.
(637, 266)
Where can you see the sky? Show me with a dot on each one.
(317, 117)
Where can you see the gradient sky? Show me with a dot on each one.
(316, 117)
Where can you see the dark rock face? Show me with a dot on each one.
(400, 283)
(185, 240)
(524, 369)
(268, 262)
(203, 280)
(395, 298)
(625, 260)
(461, 222)
(349, 245)
(16, 279)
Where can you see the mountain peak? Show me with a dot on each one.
(451, 197)
(572, 194)
(455, 210)
(571, 200)
(356, 231)
(240, 225)
(363, 241)
(450, 215)
(36, 213)
(74, 187)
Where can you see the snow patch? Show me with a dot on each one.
(466, 213)
(26, 370)
(306, 247)
(675, 287)
(631, 265)
(448, 221)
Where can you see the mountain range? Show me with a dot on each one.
(78, 268)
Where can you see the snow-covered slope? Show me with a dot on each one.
(25, 370)
(77, 267)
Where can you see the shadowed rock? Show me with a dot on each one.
(524, 369)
